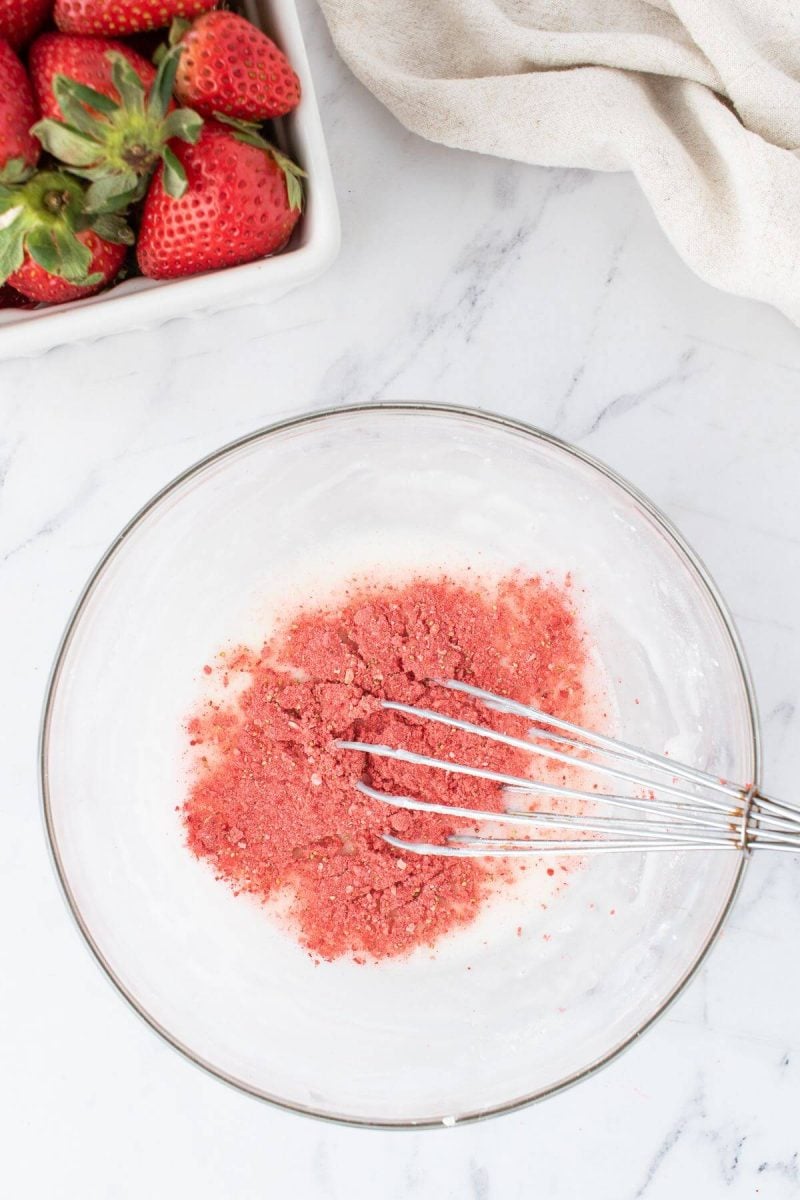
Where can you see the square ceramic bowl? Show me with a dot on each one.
(140, 303)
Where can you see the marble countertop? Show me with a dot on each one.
(547, 295)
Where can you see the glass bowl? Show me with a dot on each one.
(495, 1018)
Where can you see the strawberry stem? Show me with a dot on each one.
(117, 145)
(55, 201)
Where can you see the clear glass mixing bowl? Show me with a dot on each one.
(494, 1018)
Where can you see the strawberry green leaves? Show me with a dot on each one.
(12, 237)
(117, 145)
(58, 252)
(42, 218)
(293, 176)
(16, 170)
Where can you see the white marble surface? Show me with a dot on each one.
(547, 295)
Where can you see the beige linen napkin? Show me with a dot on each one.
(699, 98)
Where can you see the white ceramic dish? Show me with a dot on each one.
(139, 303)
(498, 1017)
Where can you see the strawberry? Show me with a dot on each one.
(18, 149)
(21, 19)
(83, 59)
(11, 299)
(50, 248)
(228, 66)
(117, 143)
(120, 17)
(242, 202)
(37, 283)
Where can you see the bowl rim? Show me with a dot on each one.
(296, 422)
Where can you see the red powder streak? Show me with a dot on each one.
(272, 804)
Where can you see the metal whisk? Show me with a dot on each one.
(677, 807)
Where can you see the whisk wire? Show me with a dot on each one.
(673, 816)
(585, 736)
(514, 817)
(530, 747)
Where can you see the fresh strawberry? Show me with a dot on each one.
(11, 299)
(242, 202)
(82, 59)
(120, 17)
(229, 66)
(37, 283)
(117, 144)
(19, 150)
(21, 19)
(50, 248)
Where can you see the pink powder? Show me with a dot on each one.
(272, 805)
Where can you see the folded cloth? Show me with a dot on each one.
(700, 99)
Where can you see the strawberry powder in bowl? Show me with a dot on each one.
(217, 857)
(272, 799)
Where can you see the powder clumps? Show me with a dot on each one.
(272, 804)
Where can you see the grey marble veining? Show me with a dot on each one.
(547, 295)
